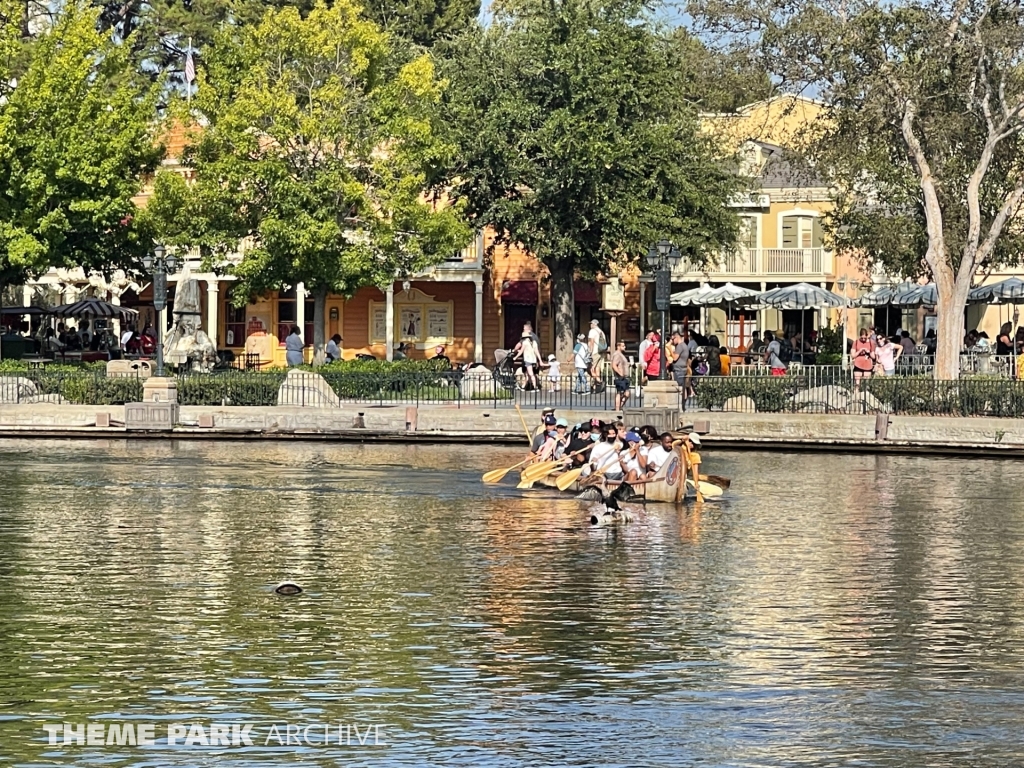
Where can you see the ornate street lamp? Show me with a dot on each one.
(159, 265)
(662, 258)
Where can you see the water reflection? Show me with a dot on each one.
(834, 609)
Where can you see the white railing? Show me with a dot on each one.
(764, 262)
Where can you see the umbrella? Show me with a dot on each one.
(917, 296)
(1010, 291)
(690, 298)
(798, 296)
(725, 294)
(883, 297)
(95, 308)
(24, 311)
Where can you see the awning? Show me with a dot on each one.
(519, 292)
(585, 292)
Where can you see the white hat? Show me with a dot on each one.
(551, 357)
(694, 438)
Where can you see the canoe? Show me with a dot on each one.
(666, 486)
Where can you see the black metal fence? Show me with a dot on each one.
(795, 393)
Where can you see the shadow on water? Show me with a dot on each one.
(832, 610)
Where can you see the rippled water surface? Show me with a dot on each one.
(832, 610)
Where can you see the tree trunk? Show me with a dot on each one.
(319, 315)
(564, 305)
(949, 331)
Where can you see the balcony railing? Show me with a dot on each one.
(764, 262)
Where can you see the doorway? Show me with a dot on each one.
(516, 316)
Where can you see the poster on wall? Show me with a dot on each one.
(380, 325)
(438, 323)
(410, 323)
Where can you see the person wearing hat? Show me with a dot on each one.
(554, 373)
(562, 439)
(633, 461)
(333, 350)
(543, 444)
(544, 426)
(581, 361)
(604, 457)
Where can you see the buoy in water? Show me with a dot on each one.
(287, 588)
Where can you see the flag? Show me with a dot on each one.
(190, 67)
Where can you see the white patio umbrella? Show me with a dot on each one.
(1009, 291)
(726, 295)
(799, 296)
(917, 296)
(690, 298)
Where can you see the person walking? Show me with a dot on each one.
(293, 347)
(773, 355)
(581, 361)
(598, 343)
(531, 357)
(620, 372)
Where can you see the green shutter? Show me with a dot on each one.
(789, 232)
(816, 233)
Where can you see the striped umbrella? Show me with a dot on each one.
(798, 296)
(726, 294)
(883, 297)
(692, 297)
(30, 310)
(917, 296)
(95, 308)
(1009, 291)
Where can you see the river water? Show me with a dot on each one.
(831, 610)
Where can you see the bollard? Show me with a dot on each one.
(411, 418)
(881, 426)
(102, 419)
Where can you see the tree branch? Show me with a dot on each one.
(932, 208)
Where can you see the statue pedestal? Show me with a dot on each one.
(158, 409)
(661, 394)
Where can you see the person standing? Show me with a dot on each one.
(886, 354)
(598, 343)
(680, 362)
(773, 354)
(333, 350)
(581, 361)
(641, 355)
(862, 353)
(620, 371)
(554, 374)
(293, 348)
(652, 357)
(530, 353)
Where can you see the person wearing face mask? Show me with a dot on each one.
(605, 458)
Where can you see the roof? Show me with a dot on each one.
(779, 168)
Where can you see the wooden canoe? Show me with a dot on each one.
(668, 484)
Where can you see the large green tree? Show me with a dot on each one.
(76, 138)
(576, 141)
(317, 147)
(922, 133)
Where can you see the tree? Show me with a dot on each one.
(922, 130)
(576, 142)
(424, 22)
(75, 141)
(318, 148)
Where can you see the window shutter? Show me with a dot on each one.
(816, 239)
(749, 234)
(789, 231)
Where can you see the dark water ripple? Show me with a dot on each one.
(835, 610)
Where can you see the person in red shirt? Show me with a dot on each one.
(862, 354)
(652, 357)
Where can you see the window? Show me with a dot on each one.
(287, 316)
(801, 232)
(234, 324)
(739, 330)
(748, 232)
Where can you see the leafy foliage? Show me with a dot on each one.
(75, 140)
(576, 141)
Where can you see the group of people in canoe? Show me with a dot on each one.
(610, 450)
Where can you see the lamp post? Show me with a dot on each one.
(662, 257)
(158, 265)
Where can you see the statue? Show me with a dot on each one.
(186, 346)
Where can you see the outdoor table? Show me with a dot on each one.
(36, 362)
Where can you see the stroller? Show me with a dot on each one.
(504, 371)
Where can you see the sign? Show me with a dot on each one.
(410, 323)
(613, 295)
(662, 289)
(437, 323)
(380, 325)
(633, 324)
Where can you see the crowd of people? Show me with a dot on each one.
(610, 449)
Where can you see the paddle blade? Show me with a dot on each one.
(526, 484)
(721, 482)
(495, 475)
(538, 470)
(707, 489)
(568, 478)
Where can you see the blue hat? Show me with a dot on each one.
(549, 420)
(633, 437)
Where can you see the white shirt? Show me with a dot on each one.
(126, 337)
(580, 355)
(632, 463)
(595, 336)
(530, 351)
(604, 456)
(644, 346)
(657, 456)
(332, 350)
(553, 370)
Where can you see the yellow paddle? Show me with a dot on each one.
(496, 475)
(706, 489)
(529, 437)
(533, 473)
